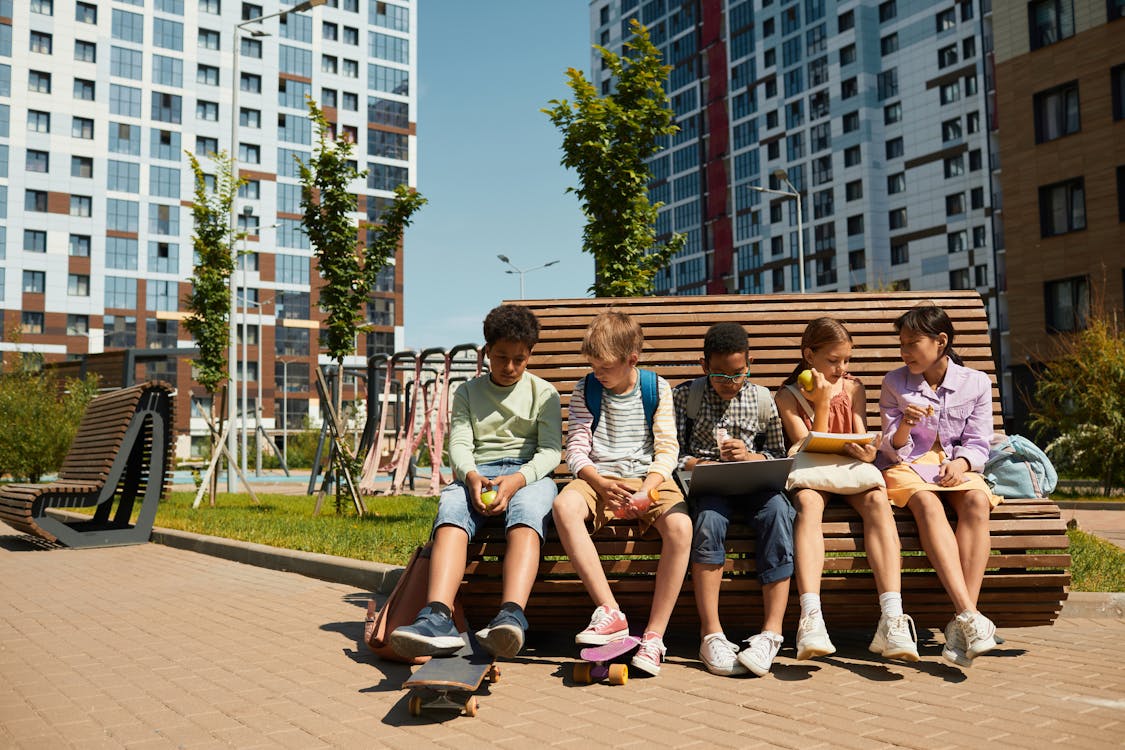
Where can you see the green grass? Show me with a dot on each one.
(1097, 565)
(389, 533)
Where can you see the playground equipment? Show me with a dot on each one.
(420, 410)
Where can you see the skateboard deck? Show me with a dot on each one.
(598, 661)
(449, 682)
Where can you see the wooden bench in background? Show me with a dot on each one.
(1028, 576)
(122, 452)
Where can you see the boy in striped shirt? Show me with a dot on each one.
(621, 444)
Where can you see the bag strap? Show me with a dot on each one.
(804, 402)
(691, 410)
(650, 396)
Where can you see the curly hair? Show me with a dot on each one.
(513, 322)
(725, 338)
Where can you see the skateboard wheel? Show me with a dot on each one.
(618, 674)
(471, 706)
(415, 705)
(494, 674)
(582, 673)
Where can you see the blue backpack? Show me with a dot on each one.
(650, 396)
(1017, 468)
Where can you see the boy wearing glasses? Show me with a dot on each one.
(725, 417)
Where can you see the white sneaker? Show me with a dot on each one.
(954, 649)
(812, 637)
(979, 633)
(895, 638)
(759, 652)
(720, 656)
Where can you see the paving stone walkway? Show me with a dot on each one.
(154, 647)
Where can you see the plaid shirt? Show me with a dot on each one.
(739, 416)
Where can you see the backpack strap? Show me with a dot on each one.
(694, 400)
(765, 401)
(650, 396)
(592, 391)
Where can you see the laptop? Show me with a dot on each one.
(737, 477)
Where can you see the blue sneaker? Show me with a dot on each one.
(504, 635)
(432, 634)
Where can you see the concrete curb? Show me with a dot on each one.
(1094, 604)
(369, 576)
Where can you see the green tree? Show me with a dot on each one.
(209, 299)
(606, 140)
(348, 265)
(30, 399)
(1080, 399)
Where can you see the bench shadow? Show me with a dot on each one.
(27, 543)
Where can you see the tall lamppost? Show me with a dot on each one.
(793, 193)
(522, 271)
(236, 82)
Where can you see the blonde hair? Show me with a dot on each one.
(819, 333)
(612, 336)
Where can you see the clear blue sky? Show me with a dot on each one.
(489, 163)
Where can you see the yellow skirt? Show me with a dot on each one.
(903, 482)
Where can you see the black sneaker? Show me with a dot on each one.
(504, 635)
(432, 634)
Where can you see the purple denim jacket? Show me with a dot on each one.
(962, 419)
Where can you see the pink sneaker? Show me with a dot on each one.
(605, 625)
(650, 655)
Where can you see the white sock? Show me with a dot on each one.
(810, 603)
(891, 603)
(716, 634)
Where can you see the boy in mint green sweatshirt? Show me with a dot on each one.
(505, 438)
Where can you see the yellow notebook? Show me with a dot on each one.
(834, 442)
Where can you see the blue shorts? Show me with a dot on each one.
(769, 514)
(530, 506)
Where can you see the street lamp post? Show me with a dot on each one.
(521, 272)
(232, 351)
(793, 193)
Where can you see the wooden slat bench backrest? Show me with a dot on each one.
(674, 328)
(99, 436)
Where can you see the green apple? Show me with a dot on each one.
(805, 380)
(488, 497)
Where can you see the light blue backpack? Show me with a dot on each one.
(1017, 468)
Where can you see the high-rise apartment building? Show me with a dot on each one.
(1060, 87)
(874, 111)
(98, 103)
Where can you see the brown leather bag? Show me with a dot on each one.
(402, 606)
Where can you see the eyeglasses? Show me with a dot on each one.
(732, 379)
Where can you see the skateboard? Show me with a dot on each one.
(598, 662)
(449, 682)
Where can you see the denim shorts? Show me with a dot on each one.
(530, 506)
(768, 513)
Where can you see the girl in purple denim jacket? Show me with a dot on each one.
(937, 424)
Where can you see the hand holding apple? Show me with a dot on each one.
(805, 381)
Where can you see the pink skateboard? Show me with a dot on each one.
(598, 662)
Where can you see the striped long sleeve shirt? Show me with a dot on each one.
(622, 446)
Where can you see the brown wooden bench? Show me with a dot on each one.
(122, 452)
(1028, 577)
